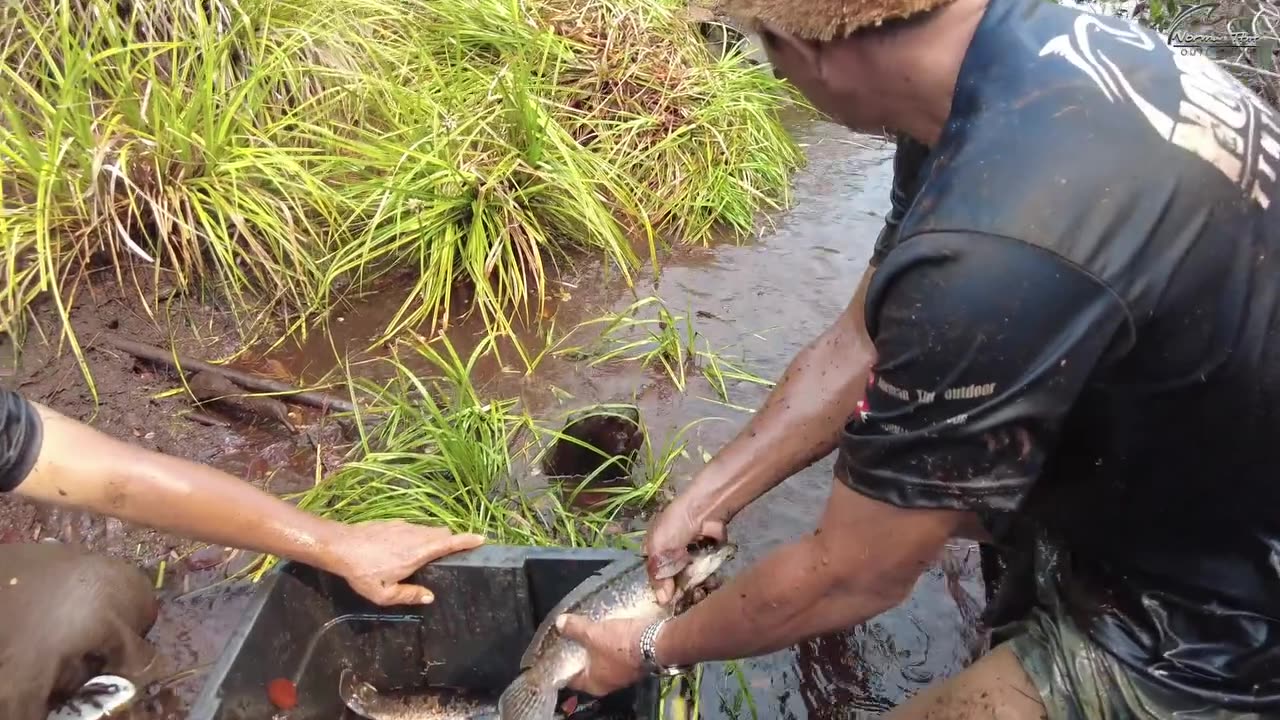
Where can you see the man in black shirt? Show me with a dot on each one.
(1076, 357)
(47, 457)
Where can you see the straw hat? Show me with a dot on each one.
(824, 20)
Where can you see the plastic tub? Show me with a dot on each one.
(306, 626)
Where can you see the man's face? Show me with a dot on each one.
(833, 77)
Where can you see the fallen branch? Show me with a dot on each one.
(246, 380)
(208, 387)
(206, 419)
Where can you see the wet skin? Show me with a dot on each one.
(844, 573)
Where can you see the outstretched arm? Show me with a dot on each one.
(798, 424)
(983, 346)
(801, 419)
(49, 457)
(972, 384)
(841, 575)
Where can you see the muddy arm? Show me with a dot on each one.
(799, 422)
(801, 419)
(973, 386)
(842, 575)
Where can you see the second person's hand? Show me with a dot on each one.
(374, 557)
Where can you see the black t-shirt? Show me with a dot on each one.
(20, 437)
(1078, 330)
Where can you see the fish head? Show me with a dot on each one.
(356, 693)
(704, 560)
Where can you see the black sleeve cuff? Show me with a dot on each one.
(983, 344)
(21, 437)
(910, 491)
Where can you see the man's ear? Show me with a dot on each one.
(809, 52)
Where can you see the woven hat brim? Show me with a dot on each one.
(824, 20)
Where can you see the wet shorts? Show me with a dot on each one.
(1078, 680)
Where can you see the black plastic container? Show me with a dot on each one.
(306, 626)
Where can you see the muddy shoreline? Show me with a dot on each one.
(758, 303)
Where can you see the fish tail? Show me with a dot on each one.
(527, 699)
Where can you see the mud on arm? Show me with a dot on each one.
(799, 422)
(841, 575)
(984, 344)
(819, 391)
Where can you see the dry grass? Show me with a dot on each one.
(1256, 22)
(1260, 20)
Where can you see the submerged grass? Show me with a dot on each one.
(666, 340)
(432, 450)
(286, 151)
(681, 696)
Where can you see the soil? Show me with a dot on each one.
(193, 625)
(757, 303)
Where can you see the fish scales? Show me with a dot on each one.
(620, 591)
(366, 701)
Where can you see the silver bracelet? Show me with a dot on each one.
(649, 649)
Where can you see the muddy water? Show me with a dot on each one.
(759, 302)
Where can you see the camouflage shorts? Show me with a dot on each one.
(1077, 680)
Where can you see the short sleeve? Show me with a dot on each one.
(983, 345)
(20, 439)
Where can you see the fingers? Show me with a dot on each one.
(667, 563)
(664, 590)
(454, 543)
(467, 541)
(573, 627)
(403, 594)
(714, 529)
(406, 594)
(578, 629)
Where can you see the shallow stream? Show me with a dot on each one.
(759, 302)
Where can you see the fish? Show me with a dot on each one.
(621, 590)
(367, 701)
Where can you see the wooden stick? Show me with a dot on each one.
(246, 380)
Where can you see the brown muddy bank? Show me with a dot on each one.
(197, 614)
(756, 304)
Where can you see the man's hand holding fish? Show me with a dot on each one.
(616, 661)
(840, 576)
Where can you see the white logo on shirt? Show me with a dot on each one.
(1218, 119)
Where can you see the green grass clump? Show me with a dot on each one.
(433, 451)
(283, 152)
